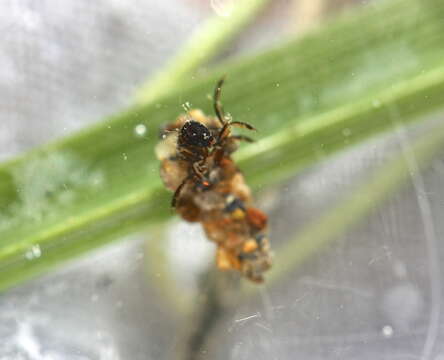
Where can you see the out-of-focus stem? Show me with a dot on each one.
(208, 40)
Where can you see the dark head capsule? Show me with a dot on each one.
(196, 134)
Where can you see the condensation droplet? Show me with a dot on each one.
(97, 178)
(346, 132)
(125, 156)
(387, 331)
(31, 20)
(34, 252)
(186, 106)
(403, 306)
(223, 8)
(376, 103)
(399, 269)
(140, 130)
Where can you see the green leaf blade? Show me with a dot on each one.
(83, 191)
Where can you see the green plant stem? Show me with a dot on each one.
(208, 40)
(309, 98)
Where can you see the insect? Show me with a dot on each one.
(196, 165)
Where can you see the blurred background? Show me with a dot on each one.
(374, 294)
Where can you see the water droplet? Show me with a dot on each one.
(125, 156)
(31, 20)
(376, 103)
(223, 8)
(387, 331)
(34, 252)
(186, 106)
(140, 130)
(399, 269)
(346, 132)
(277, 85)
(403, 305)
(96, 178)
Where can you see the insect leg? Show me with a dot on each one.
(223, 133)
(197, 170)
(242, 138)
(179, 190)
(242, 125)
(217, 104)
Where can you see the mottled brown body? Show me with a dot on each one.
(196, 164)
